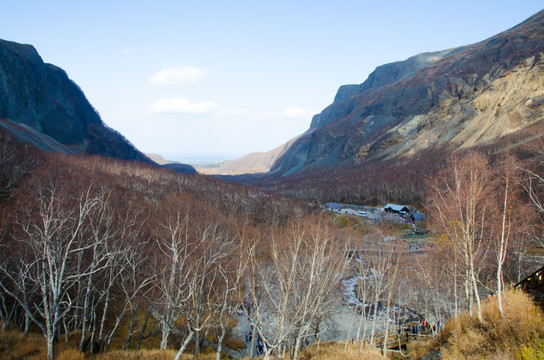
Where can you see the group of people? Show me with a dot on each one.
(261, 347)
(423, 327)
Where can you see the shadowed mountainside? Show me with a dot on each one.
(41, 106)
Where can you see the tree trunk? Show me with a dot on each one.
(165, 327)
(197, 333)
(50, 344)
(476, 291)
(64, 325)
(297, 347)
(184, 345)
(3, 312)
(101, 339)
(499, 289)
(85, 315)
(220, 342)
(252, 349)
(126, 345)
(142, 333)
(93, 335)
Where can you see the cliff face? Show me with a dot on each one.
(451, 99)
(42, 97)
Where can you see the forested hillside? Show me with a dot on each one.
(105, 256)
(91, 244)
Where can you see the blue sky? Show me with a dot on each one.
(220, 79)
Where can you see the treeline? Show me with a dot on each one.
(371, 183)
(91, 245)
(379, 181)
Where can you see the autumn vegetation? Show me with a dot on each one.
(110, 259)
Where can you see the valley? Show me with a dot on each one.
(406, 222)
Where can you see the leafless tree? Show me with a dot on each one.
(294, 285)
(459, 208)
(191, 247)
(175, 248)
(100, 232)
(50, 236)
(228, 289)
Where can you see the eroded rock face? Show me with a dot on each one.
(457, 98)
(42, 96)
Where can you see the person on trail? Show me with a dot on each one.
(260, 347)
(438, 326)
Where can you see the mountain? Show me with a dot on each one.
(258, 162)
(41, 106)
(449, 100)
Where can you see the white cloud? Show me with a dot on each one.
(176, 76)
(233, 112)
(182, 105)
(295, 112)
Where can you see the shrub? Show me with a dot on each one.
(533, 351)
(518, 333)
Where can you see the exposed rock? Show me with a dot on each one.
(42, 99)
(452, 99)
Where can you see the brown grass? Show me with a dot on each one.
(70, 354)
(13, 343)
(496, 337)
(338, 351)
(139, 355)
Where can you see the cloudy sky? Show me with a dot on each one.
(195, 80)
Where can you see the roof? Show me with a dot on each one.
(395, 207)
(333, 205)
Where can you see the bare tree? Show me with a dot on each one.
(459, 208)
(294, 285)
(228, 289)
(50, 235)
(175, 248)
(321, 268)
(191, 248)
(512, 213)
(100, 232)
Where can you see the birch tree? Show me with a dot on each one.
(294, 284)
(50, 236)
(459, 208)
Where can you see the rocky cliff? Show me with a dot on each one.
(452, 99)
(39, 99)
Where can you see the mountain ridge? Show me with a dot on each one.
(449, 99)
(41, 96)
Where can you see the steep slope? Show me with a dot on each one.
(458, 98)
(42, 99)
